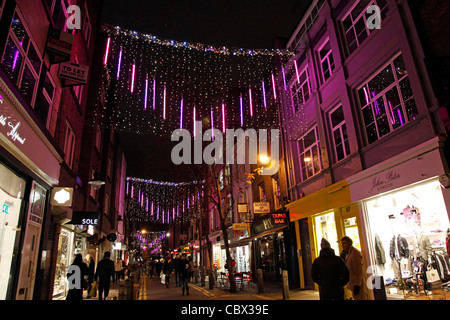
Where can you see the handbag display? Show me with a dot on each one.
(432, 276)
(163, 278)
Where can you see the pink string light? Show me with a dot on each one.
(164, 102)
(195, 127)
(119, 63)
(154, 93)
(132, 77)
(223, 117)
(274, 88)
(212, 124)
(146, 92)
(264, 94)
(251, 103)
(284, 78)
(242, 111)
(296, 71)
(181, 113)
(107, 51)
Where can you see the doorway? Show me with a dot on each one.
(306, 253)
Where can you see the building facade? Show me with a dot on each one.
(363, 137)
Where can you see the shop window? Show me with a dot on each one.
(326, 61)
(325, 228)
(69, 145)
(301, 90)
(339, 133)
(407, 231)
(387, 101)
(262, 192)
(21, 60)
(309, 152)
(355, 24)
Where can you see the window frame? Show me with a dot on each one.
(331, 66)
(339, 127)
(309, 149)
(69, 157)
(295, 91)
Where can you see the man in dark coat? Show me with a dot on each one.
(183, 265)
(105, 272)
(330, 273)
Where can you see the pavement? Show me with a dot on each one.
(151, 288)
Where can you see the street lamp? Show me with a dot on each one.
(264, 159)
(96, 182)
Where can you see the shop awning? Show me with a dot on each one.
(334, 196)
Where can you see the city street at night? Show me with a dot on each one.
(264, 156)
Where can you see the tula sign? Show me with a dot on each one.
(214, 152)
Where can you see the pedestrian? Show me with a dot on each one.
(118, 268)
(330, 273)
(105, 272)
(354, 262)
(176, 269)
(191, 269)
(168, 269)
(158, 268)
(77, 284)
(184, 273)
(91, 273)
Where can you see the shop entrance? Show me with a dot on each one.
(306, 253)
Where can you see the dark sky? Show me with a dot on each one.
(248, 24)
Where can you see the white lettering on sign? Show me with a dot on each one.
(89, 221)
(13, 134)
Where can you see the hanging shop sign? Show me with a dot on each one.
(242, 208)
(73, 72)
(61, 197)
(240, 226)
(261, 207)
(280, 217)
(84, 218)
(59, 44)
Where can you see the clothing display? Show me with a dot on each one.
(399, 248)
(379, 250)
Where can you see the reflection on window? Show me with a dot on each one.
(309, 154)
(387, 101)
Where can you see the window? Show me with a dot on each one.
(21, 60)
(87, 28)
(262, 192)
(326, 61)
(301, 91)
(387, 100)
(309, 154)
(339, 132)
(355, 23)
(58, 12)
(98, 138)
(44, 100)
(69, 145)
(276, 191)
(78, 89)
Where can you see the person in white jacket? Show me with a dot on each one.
(354, 262)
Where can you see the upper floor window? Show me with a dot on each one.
(301, 90)
(339, 132)
(262, 192)
(387, 100)
(69, 145)
(58, 12)
(44, 100)
(326, 61)
(87, 28)
(21, 61)
(309, 152)
(355, 22)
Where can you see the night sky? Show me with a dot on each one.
(248, 24)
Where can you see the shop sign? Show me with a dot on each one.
(261, 207)
(61, 197)
(242, 208)
(380, 183)
(6, 207)
(74, 72)
(240, 226)
(13, 128)
(234, 235)
(263, 225)
(84, 218)
(59, 43)
(280, 217)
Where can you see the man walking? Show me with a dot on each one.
(184, 273)
(105, 272)
(176, 267)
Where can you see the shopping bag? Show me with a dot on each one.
(433, 276)
(163, 278)
(93, 292)
(347, 294)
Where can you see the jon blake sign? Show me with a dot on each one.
(380, 183)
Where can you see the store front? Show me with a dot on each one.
(30, 168)
(405, 209)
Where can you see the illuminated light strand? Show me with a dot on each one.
(181, 113)
(146, 92)
(132, 77)
(164, 102)
(119, 63)
(284, 78)
(296, 71)
(107, 51)
(194, 122)
(223, 117)
(251, 103)
(154, 93)
(264, 94)
(274, 87)
(242, 111)
(212, 124)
